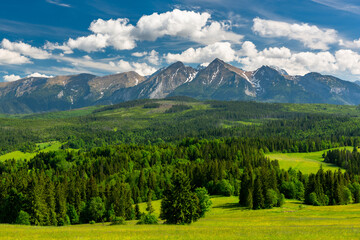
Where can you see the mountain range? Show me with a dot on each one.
(218, 81)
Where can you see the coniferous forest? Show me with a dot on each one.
(113, 158)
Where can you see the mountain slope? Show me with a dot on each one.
(222, 81)
(159, 85)
(329, 89)
(219, 81)
(166, 81)
(63, 92)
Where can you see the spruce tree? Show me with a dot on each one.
(137, 212)
(179, 204)
(258, 197)
(50, 199)
(149, 206)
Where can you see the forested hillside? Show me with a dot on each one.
(116, 156)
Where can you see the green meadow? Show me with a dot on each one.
(225, 221)
(305, 162)
(40, 147)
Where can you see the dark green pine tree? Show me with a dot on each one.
(179, 204)
(39, 209)
(61, 208)
(121, 200)
(321, 197)
(11, 206)
(137, 212)
(142, 184)
(246, 189)
(149, 206)
(249, 199)
(338, 195)
(258, 197)
(50, 200)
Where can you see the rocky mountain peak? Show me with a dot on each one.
(176, 65)
(219, 81)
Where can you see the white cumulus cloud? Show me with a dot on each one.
(222, 50)
(39, 75)
(91, 43)
(84, 63)
(10, 57)
(121, 35)
(11, 78)
(348, 60)
(139, 54)
(311, 36)
(152, 56)
(25, 49)
(53, 46)
(189, 25)
(125, 66)
(350, 44)
(118, 33)
(294, 63)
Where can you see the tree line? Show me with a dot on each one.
(70, 187)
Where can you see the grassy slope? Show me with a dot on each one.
(225, 221)
(137, 118)
(53, 115)
(41, 147)
(305, 162)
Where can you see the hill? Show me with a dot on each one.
(140, 122)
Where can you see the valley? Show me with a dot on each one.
(179, 120)
(124, 155)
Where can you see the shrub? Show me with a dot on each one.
(224, 188)
(148, 219)
(178, 108)
(313, 199)
(23, 218)
(92, 222)
(64, 221)
(118, 221)
(152, 105)
(204, 200)
(137, 212)
(347, 195)
(281, 200)
(271, 198)
(71, 212)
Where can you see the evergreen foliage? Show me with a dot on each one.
(96, 209)
(138, 214)
(179, 205)
(190, 152)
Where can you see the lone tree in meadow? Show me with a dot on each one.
(180, 205)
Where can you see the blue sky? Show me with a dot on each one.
(62, 37)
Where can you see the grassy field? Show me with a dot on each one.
(305, 162)
(41, 147)
(225, 221)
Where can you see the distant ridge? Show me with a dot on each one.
(218, 81)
